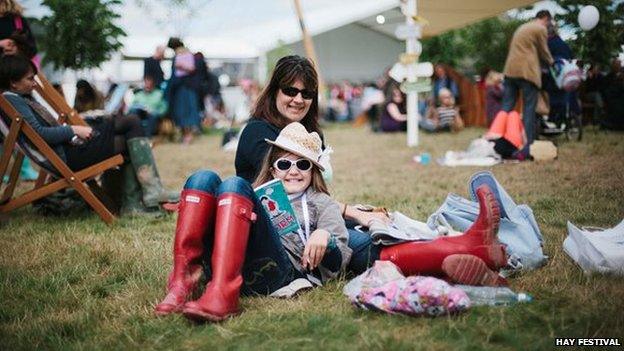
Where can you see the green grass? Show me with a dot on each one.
(74, 283)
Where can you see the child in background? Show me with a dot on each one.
(149, 104)
(223, 228)
(445, 117)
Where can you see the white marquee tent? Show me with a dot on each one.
(349, 41)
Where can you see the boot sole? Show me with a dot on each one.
(469, 270)
(201, 316)
(174, 310)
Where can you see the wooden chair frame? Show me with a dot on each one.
(82, 181)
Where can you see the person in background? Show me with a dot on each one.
(493, 95)
(612, 92)
(149, 104)
(445, 117)
(561, 101)
(373, 102)
(213, 101)
(442, 80)
(87, 97)
(394, 113)
(182, 95)
(12, 23)
(17, 38)
(152, 68)
(592, 91)
(523, 72)
(83, 146)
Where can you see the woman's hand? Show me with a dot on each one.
(8, 47)
(6, 42)
(315, 249)
(365, 217)
(83, 132)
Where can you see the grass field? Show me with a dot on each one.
(75, 284)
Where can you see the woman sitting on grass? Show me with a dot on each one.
(223, 228)
(83, 146)
(394, 114)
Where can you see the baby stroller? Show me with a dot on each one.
(561, 82)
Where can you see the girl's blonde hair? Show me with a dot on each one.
(265, 174)
(10, 7)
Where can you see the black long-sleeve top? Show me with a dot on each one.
(252, 148)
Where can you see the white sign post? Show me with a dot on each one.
(410, 32)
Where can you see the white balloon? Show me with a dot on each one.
(588, 17)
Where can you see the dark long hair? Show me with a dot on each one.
(287, 70)
(13, 68)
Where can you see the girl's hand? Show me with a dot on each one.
(83, 132)
(315, 249)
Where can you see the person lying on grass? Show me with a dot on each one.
(223, 228)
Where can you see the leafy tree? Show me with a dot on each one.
(483, 44)
(80, 33)
(603, 42)
(487, 42)
(446, 48)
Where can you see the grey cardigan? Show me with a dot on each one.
(55, 136)
(324, 214)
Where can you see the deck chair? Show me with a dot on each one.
(57, 102)
(21, 139)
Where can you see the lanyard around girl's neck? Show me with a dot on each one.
(306, 219)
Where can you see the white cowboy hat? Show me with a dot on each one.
(295, 139)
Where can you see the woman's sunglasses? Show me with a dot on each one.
(292, 92)
(284, 164)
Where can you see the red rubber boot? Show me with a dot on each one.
(220, 300)
(479, 240)
(195, 221)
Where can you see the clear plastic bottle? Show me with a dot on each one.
(493, 295)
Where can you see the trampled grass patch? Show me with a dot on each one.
(75, 283)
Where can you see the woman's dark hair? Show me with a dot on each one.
(14, 68)
(174, 43)
(287, 70)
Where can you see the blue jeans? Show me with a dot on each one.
(267, 266)
(365, 253)
(529, 96)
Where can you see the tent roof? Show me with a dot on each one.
(245, 29)
(444, 15)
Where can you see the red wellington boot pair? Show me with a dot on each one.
(468, 258)
(229, 217)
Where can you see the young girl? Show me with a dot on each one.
(444, 117)
(394, 115)
(223, 228)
